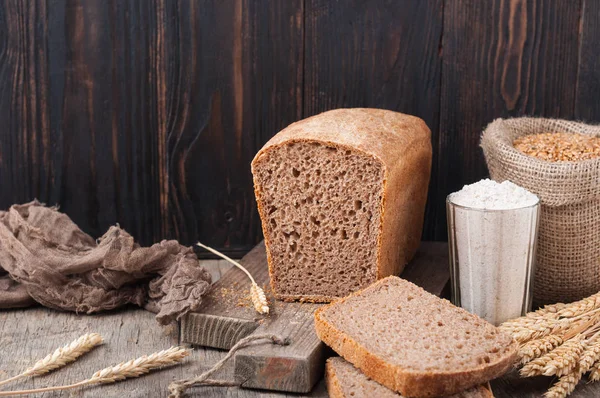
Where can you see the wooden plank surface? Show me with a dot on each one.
(513, 386)
(235, 81)
(80, 116)
(147, 113)
(587, 107)
(379, 54)
(500, 59)
(27, 335)
(227, 315)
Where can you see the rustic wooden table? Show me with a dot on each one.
(30, 334)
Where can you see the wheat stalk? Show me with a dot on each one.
(536, 348)
(541, 329)
(547, 313)
(595, 372)
(60, 357)
(581, 307)
(139, 366)
(545, 327)
(559, 361)
(259, 300)
(564, 358)
(122, 371)
(521, 325)
(547, 310)
(590, 356)
(562, 340)
(538, 322)
(565, 385)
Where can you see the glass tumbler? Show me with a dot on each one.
(492, 259)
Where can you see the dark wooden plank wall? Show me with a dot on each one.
(147, 113)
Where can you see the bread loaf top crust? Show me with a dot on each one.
(387, 135)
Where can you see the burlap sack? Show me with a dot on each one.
(568, 254)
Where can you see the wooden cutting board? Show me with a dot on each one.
(227, 315)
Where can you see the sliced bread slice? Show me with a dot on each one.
(345, 381)
(414, 342)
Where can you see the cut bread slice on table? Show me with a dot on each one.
(345, 381)
(414, 342)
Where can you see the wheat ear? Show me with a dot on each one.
(580, 307)
(259, 300)
(547, 310)
(536, 348)
(595, 372)
(122, 371)
(545, 327)
(565, 358)
(590, 356)
(565, 385)
(539, 330)
(545, 314)
(526, 322)
(558, 362)
(60, 357)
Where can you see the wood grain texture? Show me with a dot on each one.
(587, 107)
(226, 314)
(513, 386)
(238, 82)
(147, 113)
(379, 54)
(77, 101)
(26, 335)
(30, 335)
(501, 58)
(296, 367)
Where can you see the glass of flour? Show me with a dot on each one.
(492, 233)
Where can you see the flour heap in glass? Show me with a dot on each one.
(492, 231)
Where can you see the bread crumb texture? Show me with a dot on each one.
(414, 342)
(323, 206)
(405, 325)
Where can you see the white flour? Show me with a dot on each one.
(492, 238)
(488, 194)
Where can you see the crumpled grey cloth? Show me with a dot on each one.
(46, 258)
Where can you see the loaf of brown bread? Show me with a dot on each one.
(341, 197)
(414, 342)
(345, 381)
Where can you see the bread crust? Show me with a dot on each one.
(408, 383)
(332, 382)
(402, 144)
(335, 390)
